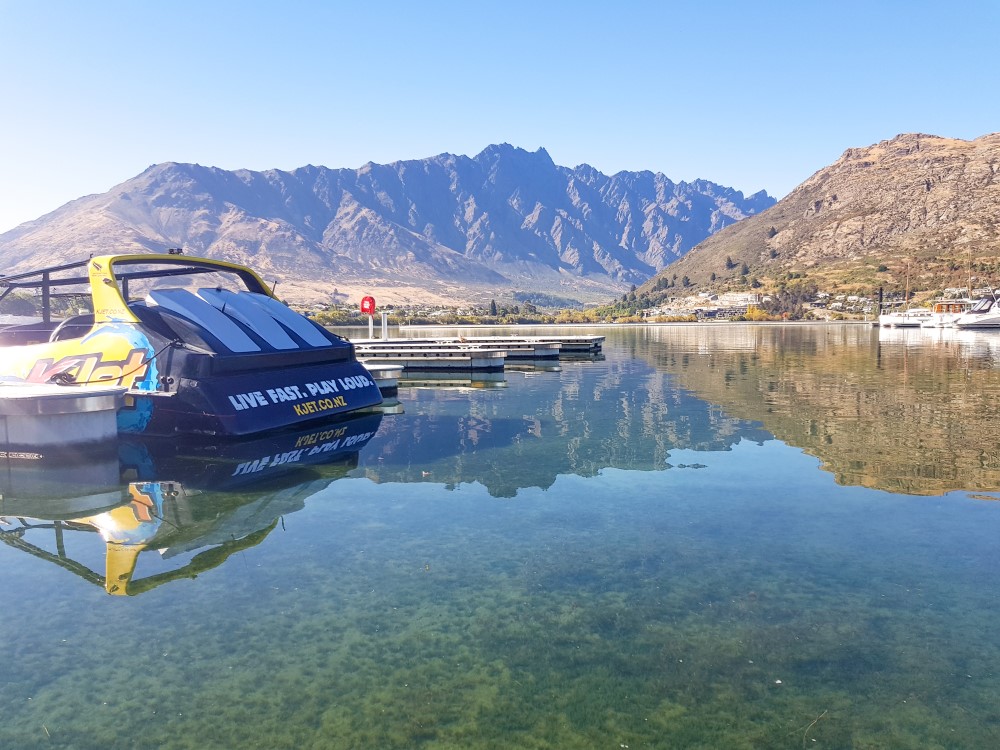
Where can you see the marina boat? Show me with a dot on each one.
(912, 318)
(984, 314)
(944, 312)
(200, 346)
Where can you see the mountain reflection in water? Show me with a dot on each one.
(911, 412)
(618, 413)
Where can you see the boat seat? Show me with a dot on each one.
(22, 334)
(241, 307)
(73, 327)
(193, 308)
(297, 324)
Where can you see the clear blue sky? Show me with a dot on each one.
(752, 95)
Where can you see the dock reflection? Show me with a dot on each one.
(195, 503)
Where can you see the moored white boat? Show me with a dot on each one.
(984, 314)
(944, 312)
(912, 318)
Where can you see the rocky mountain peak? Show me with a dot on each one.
(505, 220)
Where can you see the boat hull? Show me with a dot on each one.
(904, 319)
(251, 403)
(194, 357)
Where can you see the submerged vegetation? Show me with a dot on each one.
(604, 617)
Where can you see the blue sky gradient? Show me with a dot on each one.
(751, 95)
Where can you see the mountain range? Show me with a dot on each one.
(445, 228)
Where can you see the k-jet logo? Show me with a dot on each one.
(92, 368)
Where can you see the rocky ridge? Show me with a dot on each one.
(917, 209)
(449, 228)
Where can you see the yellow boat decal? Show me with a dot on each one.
(92, 367)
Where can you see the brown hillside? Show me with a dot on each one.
(916, 206)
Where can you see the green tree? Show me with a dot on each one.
(17, 304)
(790, 302)
(493, 307)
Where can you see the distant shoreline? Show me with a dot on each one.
(686, 324)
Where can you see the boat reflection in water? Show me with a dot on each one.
(196, 503)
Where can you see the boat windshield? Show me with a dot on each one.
(59, 292)
(984, 305)
(137, 278)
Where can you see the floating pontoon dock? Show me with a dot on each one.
(36, 415)
(567, 344)
(386, 377)
(434, 353)
(535, 351)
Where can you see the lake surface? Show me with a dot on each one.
(716, 536)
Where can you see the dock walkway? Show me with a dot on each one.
(473, 353)
(523, 350)
(517, 347)
(567, 344)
